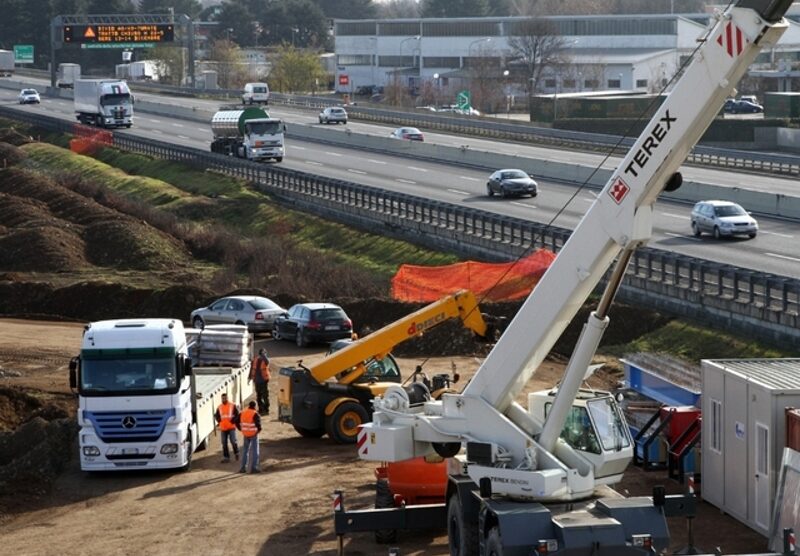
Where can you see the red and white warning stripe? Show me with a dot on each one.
(732, 40)
(363, 449)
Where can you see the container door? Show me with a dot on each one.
(736, 450)
(762, 482)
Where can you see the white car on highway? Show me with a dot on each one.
(29, 96)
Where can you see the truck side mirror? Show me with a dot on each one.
(187, 366)
(133, 99)
(284, 127)
(73, 373)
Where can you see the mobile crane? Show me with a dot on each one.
(334, 396)
(519, 486)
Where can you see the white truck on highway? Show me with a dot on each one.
(143, 401)
(103, 102)
(248, 133)
(6, 63)
(67, 75)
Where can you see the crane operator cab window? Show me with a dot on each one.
(382, 370)
(594, 428)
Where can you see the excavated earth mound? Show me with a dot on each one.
(10, 155)
(13, 137)
(87, 234)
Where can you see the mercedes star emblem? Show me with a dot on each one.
(129, 421)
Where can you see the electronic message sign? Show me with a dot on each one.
(122, 33)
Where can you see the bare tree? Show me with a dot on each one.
(535, 42)
(485, 82)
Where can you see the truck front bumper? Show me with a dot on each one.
(168, 452)
(267, 153)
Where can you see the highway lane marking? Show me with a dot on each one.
(333, 154)
(794, 259)
(468, 178)
(787, 236)
(517, 203)
(155, 121)
(155, 130)
(417, 169)
(406, 181)
(354, 171)
(682, 236)
(376, 161)
(458, 191)
(183, 137)
(177, 125)
(294, 148)
(673, 215)
(313, 162)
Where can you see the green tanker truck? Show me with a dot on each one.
(248, 133)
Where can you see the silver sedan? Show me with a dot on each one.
(258, 313)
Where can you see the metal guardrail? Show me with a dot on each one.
(745, 300)
(769, 163)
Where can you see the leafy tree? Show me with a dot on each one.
(174, 59)
(192, 8)
(230, 64)
(295, 70)
(454, 8)
(110, 7)
(237, 23)
(300, 23)
(348, 9)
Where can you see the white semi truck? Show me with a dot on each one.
(248, 133)
(143, 401)
(103, 102)
(525, 480)
(67, 75)
(6, 63)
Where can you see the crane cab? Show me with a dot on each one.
(595, 428)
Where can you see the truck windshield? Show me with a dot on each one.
(103, 377)
(609, 424)
(265, 128)
(115, 100)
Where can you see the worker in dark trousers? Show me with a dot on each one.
(259, 372)
(250, 425)
(226, 416)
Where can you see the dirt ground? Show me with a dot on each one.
(213, 510)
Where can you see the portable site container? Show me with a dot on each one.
(744, 433)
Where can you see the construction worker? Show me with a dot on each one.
(226, 416)
(250, 425)
(259, 372)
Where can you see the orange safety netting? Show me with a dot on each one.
(489, 281)
(88, 139)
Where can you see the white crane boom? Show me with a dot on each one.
(519, 450)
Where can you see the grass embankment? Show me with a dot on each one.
(226, 211)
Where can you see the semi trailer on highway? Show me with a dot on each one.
(67, 75)
(524, 480)
(248, 133)
(103, 102)
(6, 63)
(147, 390)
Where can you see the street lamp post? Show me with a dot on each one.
(373, 59)
(436, 90)
(414, 38)
(507, 93)
(473, 43)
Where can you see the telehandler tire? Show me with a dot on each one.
(342, 425)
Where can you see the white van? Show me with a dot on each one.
(255, 93)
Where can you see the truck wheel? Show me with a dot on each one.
(309, 433)
(494, 543)
(462, 537)
(300, 338)
(384, 499)
(342, 426)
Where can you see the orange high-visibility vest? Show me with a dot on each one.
(247, 420)
(259, 365)
(226, 416)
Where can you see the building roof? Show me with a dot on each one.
(774, 374)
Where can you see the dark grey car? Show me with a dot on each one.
(258, 313)
(510, 182)
(313, 322)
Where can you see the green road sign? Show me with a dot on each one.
(23, 53)
(119, 45)
(464, 100)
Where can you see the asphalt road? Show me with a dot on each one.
(775, 250)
